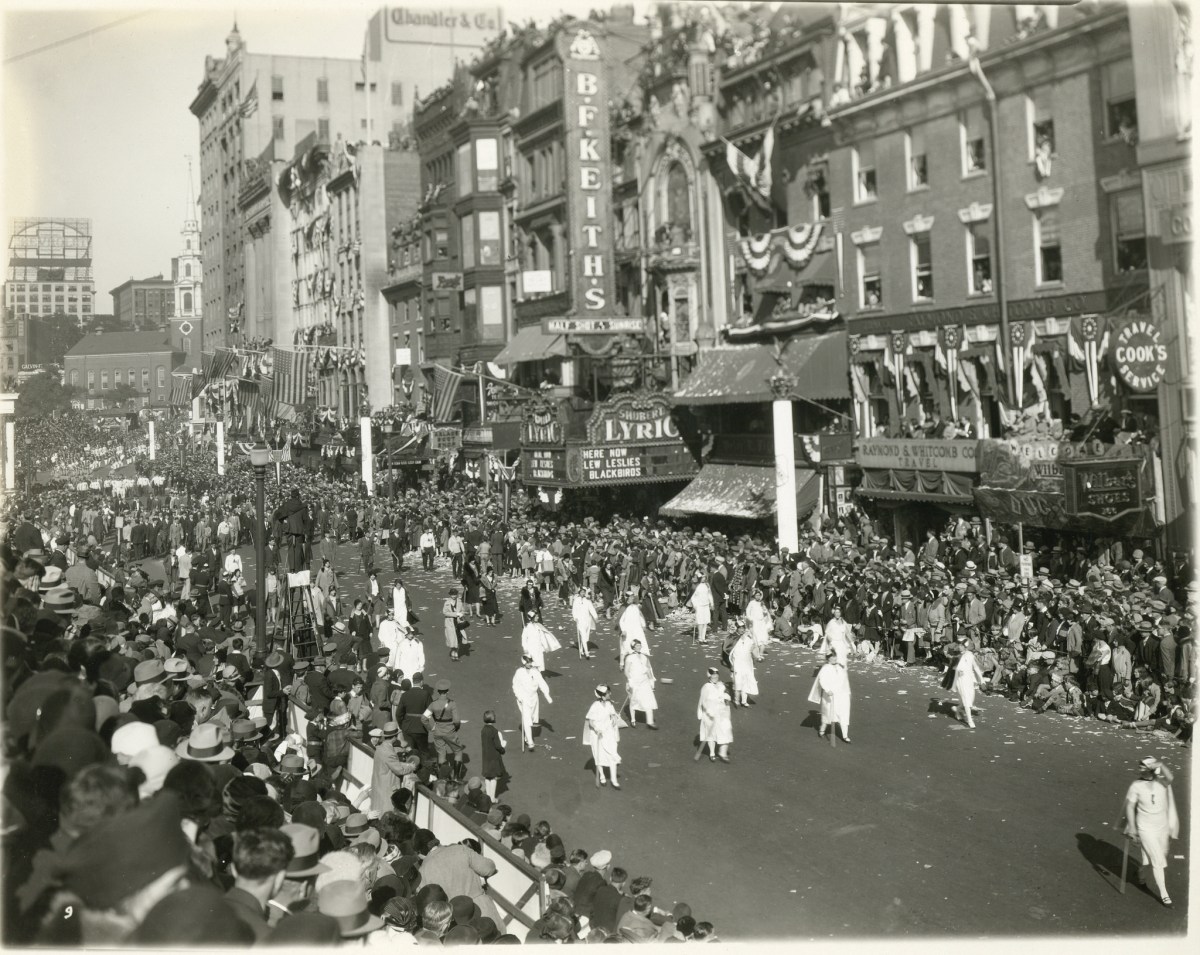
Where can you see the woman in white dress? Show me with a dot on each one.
(409, 655)
(602, 732)
(741, 661)
(400, 604)
(584, 613)
(632, 624)
(759, 619)
(713, 712)
(832, 691)
(967, 676)
(639, 682)
(702, 602)
(537, 641)
(1152, 820)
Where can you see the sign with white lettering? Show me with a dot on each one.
(457, 26)
(1106, 490)
(633, 418)
(589, 191)
(447, 281)
(582, 325)
(931, 455)
(542, 422)
(544, 466)
(1140, 355)
(596, 465)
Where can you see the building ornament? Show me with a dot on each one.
(866, 235)
(1044, 198)
(918, 224)
(975, 212)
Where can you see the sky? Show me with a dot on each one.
(97, 126)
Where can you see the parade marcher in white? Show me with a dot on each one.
(832, 691)
(639, 682)
(968, 675)
(584, 613)
(837, 637)
(527, 683)
(759, 619)
(537, 641)
(390, 637)
(409, 655)
(602, 732)
(713, 712)
(632, 624)
(741, 661)
(1152, 820)
(702, 602)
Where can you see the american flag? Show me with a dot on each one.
(445, 392)
(249, 106)
(291, 376)
(181, 391)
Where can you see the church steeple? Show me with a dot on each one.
(189, 279)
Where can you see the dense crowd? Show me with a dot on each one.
(162, 793)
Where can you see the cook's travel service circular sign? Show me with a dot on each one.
(1140, 355)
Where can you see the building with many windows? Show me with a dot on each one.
(50, 268)
(143, 361)
(145, 303)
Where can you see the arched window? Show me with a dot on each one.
(679, 199)
(187, 270)
(187, 303)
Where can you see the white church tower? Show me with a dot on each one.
(185, 325)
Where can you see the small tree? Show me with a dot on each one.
(123, 394)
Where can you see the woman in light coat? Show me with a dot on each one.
(702, 602)
(741, 661)
(832, 691)
(759, 619)
(713, 712)
(602, 732)
(584, 613)
(536, 641)
(967, 676)
(639, 682)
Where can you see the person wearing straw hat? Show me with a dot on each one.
(1152, 820)
(204, 745)
(713, 712)
(527, 683)
(602, 732)
(346, 902)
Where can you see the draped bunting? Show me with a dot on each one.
(795, 245)
(918, 484)
(1088, 340)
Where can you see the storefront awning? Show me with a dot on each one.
(532, 344)
(906, 484)
(741, 373)
(739, 490)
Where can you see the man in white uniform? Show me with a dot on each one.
(527, 684)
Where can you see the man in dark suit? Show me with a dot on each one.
(718, 583)
(413, 702)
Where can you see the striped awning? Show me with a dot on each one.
(743, 491)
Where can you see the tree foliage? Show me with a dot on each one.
(42, 395)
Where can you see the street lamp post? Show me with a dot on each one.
(260, 458)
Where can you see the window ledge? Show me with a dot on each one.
(1049, 286)
(974, 173)
(924, 188)
(1136, 272)
(924, 301)
(866, 202)
(870, 308)
(981, 295)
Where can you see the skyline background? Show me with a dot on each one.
(96, 120)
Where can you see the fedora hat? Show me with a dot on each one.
(355, 824)
(243, 731)
(53, 577)
(340, 627)
(61, 599)
(175, 668)
(293, 764)
(346, 902)
(306, 842)
(204, 745)
(274, 659)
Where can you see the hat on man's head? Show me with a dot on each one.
(176, 668)
(355, 824)
(390, 729)
(443, 686)
(204, 745)
(293, 764)
(52, 578)
(601, 858)
(346, 902)
(132, 738)
(306, 843)
(274, 659)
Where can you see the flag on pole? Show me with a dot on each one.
(753, 174)
(291, 375)
(249, 104)
(181, 391)
(445, 392)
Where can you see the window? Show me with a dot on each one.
(979, 255)
(1041, 125)
(973, 124)
(91, 380)
(487, 165)
(491, 305)
(547, 81)
(467, 244)
(323, 130)
(161, 375)
(489, 238)
(870, 283)
(145, 379)
(277, 124)
(277, 89)
(922, 263)
(132, 379)
(187, 303)
(74, 377)
(918, 169)
(864, 172)
(322, 90)
(397, 94)
(1129, 228)
(1120, 101)
(104, 380)
(463, 168)
(1049, 246)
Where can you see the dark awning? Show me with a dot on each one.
(740, 373)
(739, 490)
(531, 344)
(904, 484)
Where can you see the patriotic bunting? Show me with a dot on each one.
(445, 390)
(291, 375)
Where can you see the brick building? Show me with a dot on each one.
(144, 303)
(141, 360)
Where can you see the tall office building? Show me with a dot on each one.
(248, 102)
(50, 268)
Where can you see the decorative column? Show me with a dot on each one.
(782, 386)
(368, 476)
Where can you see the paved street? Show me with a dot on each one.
(921, 827)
